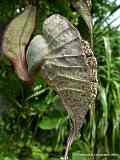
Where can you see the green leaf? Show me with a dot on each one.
(48, 123)
(79, 156)
(54, 159)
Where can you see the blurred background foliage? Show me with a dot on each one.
(33, 123)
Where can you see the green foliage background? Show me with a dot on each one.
(33, 123)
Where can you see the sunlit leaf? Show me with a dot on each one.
(48, 123)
